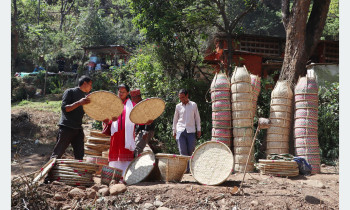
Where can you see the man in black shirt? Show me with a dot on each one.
(143, 133)
(70, 129)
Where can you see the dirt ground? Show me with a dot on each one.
(33, 137)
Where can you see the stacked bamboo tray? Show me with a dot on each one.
(278, 167)
(73, 172)
(96, 143)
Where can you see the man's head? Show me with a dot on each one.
(85, 83)
(123, 91)
(136, 96)
(183, 96)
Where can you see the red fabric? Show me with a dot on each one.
(117, 151)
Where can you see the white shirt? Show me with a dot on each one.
(186, 117)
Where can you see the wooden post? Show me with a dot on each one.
(45, 82)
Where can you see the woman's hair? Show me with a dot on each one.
(83, 79)
(124, 86)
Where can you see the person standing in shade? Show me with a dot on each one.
(143, 133)
(70, 129)
(186, 121)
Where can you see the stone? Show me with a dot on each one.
(254, 203)
(222, 202)
(163, 208)
(81, 187)
(269, 205)
(112, 183)
(148, 205)
(103, 186)
(323, 165)
(91, 193)
(58, 197)
(137, 199)
(316, 183)
(157, 197)
(158, 203)
(66, 207)
(57, 183)
(103, 191)
(76, 192)
(116, 189)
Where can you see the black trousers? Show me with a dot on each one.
(66, 136)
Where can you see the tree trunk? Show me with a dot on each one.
(14, 36)
(302, 35)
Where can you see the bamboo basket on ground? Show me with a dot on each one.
(172, 167)
(278, 167)
(242, 117)
(110, 173)
(280, 112)
(305, 124)
(221, 109)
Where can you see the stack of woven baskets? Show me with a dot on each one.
(242, 118)
(73, 172)
(280, 116)
(221, 109)
(305, 124)
(96, 143)
(256, 87)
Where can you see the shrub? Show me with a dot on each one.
(328, 122)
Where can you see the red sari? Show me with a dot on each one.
(117, 150)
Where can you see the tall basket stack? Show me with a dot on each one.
(305, 124)
(242, 118)
(256, 87)
(96, 143)
(221, 109)
(280, 113)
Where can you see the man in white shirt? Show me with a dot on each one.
(186, 120)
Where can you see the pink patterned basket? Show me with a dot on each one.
(306, 104)
(307, 150)
(220, 95)
(222, 105)
(306, 97)
(109, 173)
(312, 158)
(226, 141)
(306, 85)
(256, 84)
(221, 115)
(311, 141)
(306, 113)
(300, 132)
(302, 122)
(220, 132)
(221, 124)
(316, 169)
(220, 82)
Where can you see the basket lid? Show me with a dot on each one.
(103, 105)
(211, 163)
(148, 109)
(139, 168)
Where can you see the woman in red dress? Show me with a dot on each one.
(122, 146)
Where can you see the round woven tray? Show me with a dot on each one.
(103, 105)
(211, 163)
(148, 109)
(139, 168)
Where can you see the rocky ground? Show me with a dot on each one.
(30, 151)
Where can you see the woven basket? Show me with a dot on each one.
(310, 150)
(98, 140)
(222, 115)
(277, 145)
(278, 137)
(225, 140)
(316, 168)
(97, 160)
(239, 96)
(242, 123)
(44, 170)
(307, 123)
(242, 141)
(280, 115)
(220, 95)
(280, 122)
(110, 173)
(97, 147)
(148, 109)
(306, 113)
(220, 82)
(256, 87)
(242, 106)
(306, 85)
(277, 150)
(240, 132)
(309, 141)
(92, 152)
(311, 158)
(240, 159)
(139, 168)
(246, 114)
(100, 107)
(222, 105)
(241, 150)
(306, 97)
(172, 167)
(211, 163)
(306, 105)
(240, 74)
(241, 167)
(241, 87)
(219, 132)
(97, 133)
(221, 124)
